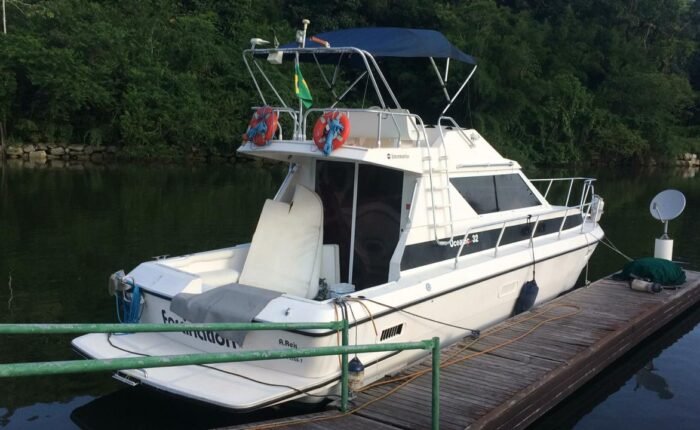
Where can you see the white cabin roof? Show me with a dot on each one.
(466, 151)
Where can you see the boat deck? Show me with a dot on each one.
(518, 369)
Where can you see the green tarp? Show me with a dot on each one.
(652, 269)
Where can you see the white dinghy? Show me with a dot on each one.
(413, 231)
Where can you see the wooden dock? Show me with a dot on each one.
(520, 368)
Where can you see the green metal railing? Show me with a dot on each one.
(99, 365)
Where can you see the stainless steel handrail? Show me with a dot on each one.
(583, 208)
(456, 126)
(361, 54)
(418, 124)
(587, 187)
(552, 180)
(290, 111)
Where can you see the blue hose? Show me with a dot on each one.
(334, 128)
(129, 311)
(260, 128)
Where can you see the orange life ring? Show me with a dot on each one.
(333, 122)
(262, 126)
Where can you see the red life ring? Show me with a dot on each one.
(262, 126)
(323, 126)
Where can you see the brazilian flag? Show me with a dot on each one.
(301, 89)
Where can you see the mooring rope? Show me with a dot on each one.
(451, 360)
(607, 242)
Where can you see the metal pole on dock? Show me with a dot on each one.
(101, 365)
(344, 382)
(12, 370)
(157, 327)
(436, 383)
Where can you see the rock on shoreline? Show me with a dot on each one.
(73, 154)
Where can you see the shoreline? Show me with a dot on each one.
(41, 155)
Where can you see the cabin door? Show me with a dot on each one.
(377, 209)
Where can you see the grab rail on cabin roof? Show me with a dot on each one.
(456, 127)
(583, 208)
(99, 365)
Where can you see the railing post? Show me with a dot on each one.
(563, 221)
(498, 242)
(344, 383)
(534, 230)
(461, 247)
(546, 193)
(568, 194)
(436, 384)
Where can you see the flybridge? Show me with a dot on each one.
(357, 49)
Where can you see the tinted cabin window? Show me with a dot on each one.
(487, 194)
(513, 193)
(334, 184)
(377, 228)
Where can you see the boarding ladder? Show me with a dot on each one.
(439, 203)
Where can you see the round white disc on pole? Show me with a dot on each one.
(667, 205)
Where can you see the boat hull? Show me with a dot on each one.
(476, 294)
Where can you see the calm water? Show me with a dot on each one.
(62, 232)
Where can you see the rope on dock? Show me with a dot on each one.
(451, 360)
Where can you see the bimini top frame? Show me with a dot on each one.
(358, 48)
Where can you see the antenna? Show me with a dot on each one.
(667, 205)
(257, 41)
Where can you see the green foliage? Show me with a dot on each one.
(558, 81)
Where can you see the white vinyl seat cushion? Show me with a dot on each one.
(285, 253)
(217, 278)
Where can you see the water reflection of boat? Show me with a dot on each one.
(621, 373)
(648, 378)
(434, 229)
(141, 408)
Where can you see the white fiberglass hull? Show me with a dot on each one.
(481, 291)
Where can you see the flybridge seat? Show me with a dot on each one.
(394, 130)
(284, 258)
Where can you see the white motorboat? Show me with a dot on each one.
(412, 231)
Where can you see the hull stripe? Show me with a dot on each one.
(416, 302)
(424, 253)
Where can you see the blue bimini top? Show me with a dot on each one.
(390, 42)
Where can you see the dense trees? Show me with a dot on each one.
(558, 81)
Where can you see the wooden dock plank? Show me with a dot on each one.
(512, 385)
(328, 419)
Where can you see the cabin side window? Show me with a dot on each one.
(495, 193)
